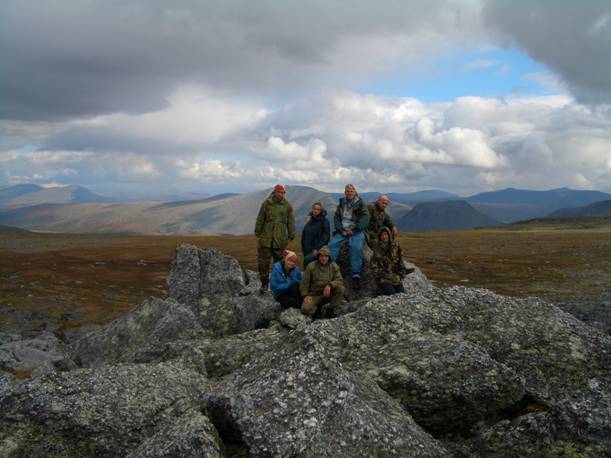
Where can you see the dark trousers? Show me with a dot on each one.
(263, 255)
(291, 298)
(389, 289)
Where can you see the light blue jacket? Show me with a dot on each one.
(280, 282)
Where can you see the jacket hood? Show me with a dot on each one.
(324, 250)
(388, 231)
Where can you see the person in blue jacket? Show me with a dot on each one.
(285, 279)
(315, 234)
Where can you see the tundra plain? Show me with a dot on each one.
(69, 280)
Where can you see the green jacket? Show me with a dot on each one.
(378, 218)
(275, 223)
(317, 276)
(360, 216)
(387, 262)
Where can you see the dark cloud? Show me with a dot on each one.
(573, 39)
(66, 59)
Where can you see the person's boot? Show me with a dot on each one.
(356, 282)
(263, 288)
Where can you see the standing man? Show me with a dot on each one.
(351, 220)
(378, 218)
(275, 227)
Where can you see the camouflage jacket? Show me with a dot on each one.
(387, 264)
(378, 218)
(275, 223)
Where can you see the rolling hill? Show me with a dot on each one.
(223, 214)
(452, 214)
(602, 208)
(26, 195)
(511, 205)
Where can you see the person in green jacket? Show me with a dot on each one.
(322, 283)
(378, 218)
(387, 264)
(274, 228)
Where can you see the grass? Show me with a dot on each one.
(78, 279)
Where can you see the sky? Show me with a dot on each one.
(148, 97)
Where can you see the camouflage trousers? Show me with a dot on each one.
(263, 256)
(337, 298)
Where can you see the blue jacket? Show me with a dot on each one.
(280, 282)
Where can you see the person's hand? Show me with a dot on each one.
(349, 232)
(395, 231)
(308, 300)
(314, 252)
(345, 233)
(327, 291)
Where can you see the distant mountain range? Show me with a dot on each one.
(602, 208)
(31, 194)
(451, 214)
(511, 205)
(76, 209)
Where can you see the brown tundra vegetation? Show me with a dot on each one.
(72, 280)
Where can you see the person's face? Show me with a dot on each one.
(278, 194)
(350, 193)
(323, 259)
(383, 202)
(289, 263)
(384, 237)
(316, 210)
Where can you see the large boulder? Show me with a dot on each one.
(297, 400)
(138, 336)
(109, 411)
(23, 354)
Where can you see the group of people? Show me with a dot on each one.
(321, 281)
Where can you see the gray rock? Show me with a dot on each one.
(190, 436)
(107, 411)
(293, 319)
(297, 400)
(30, 353)
(138, 336)
(204, 272)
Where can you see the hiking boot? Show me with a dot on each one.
(356, 281)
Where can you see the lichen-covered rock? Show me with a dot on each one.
(138, 336)
(190, 436)
(446, 383)
(297, 400)
(204, 272)
(293, 319)
(29, 353)
(105, 411)
(579, 429)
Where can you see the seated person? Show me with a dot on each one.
(285, 280)
(387, 264)
(351, 221)
(315, 233)
(322, 283)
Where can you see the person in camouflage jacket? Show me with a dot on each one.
(274, 228)
(387, 264)
(322, 283)
(378, 218)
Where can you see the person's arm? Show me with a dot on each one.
(291, 223)
(261, 219)
(278, 282)
(362, 219)
(326, 233)
(337, 219)
(304, 286)
(337, 279)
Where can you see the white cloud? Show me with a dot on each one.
(479, 65)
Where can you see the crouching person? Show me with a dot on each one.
(285, 280)
(387, 264)
(322, 283)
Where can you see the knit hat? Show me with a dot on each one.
(280, 187)
(289, 255)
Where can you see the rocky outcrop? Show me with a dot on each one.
(23, 353)
(109, 411)
(226, 372)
